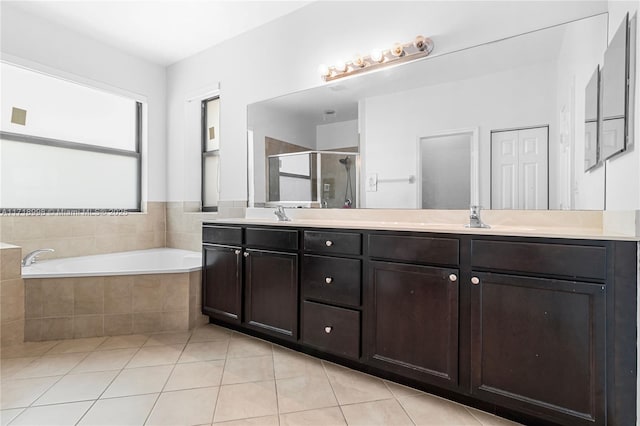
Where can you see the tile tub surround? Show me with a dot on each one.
(63, 308)
(11, 296)
(210, 375)
(72, 236)
(184, 221)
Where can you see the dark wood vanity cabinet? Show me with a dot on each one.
(412, 321)
(542, 330)
(538, 345)
(331, 292)
(271, 292)
(222, 273)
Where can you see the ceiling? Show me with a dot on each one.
(160, 31)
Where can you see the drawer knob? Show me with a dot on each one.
(329, 243)
(237, 251)
(475, 280)
(453, 278)
(328, 280)
(246, 254)
(328, 329)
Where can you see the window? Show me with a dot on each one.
(210, 154)
(67, 146)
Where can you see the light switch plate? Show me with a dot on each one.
(372, 182)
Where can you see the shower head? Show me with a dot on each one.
(345, 161)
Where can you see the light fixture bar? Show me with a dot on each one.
(420, 47)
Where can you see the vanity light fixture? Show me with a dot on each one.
(399, 52)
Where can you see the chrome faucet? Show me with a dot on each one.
(281, 214)
(474, 218)
(33, 256)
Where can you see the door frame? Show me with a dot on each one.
(491, 158)
(474, 153)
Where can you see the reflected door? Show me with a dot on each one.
(445, 171)
(520, 169)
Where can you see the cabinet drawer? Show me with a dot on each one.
(333, 242)
(332, 329)
(440, 251)
(331, 279)
(547, 259)
(222, 234)
(279, 239)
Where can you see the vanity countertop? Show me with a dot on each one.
(445, 228)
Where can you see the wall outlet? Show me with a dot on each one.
(372, 182)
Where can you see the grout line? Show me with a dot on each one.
(224, 367)
(155, 403)
(324, 368)
(386, 383)
(275, 383)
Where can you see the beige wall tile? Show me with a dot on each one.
(10, 259)
(118, 294)
(173, 321)
(88, 295)
(6, 228)
(11, 300)
(88, 326)
(118, 324)
(28, 228)
(57, 328)
(147, 293)
(12, 333)
(57, 226)
(147, 322)
(57, 297)
(83, 226)
(175, 290)
(33, 330)
(33, 305)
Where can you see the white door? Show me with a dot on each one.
(520, 169)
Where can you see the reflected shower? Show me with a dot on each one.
(348, 190)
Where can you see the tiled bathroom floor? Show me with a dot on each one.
(210, 375)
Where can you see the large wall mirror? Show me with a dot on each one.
(501, 125)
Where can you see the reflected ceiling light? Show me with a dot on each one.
(399, 52)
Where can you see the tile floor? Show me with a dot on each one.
(208, 376)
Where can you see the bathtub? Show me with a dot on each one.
(152, 261)
(133, 292)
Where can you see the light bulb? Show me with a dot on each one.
(376, 55)
(397, 50)
(324, 70)
(340, 66)
(358, 61)
(419, 43)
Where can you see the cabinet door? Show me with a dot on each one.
(538, 346)
(411, 321)
(271, 296)
(222, 282)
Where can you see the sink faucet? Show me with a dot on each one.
(281, 214)
(474, 218)
(33, 256)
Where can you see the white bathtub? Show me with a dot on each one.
(152, 261)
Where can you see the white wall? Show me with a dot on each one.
(577, 60)
(394, 123)
(291, 48)
(623, 171)
(41, 44)
(343, 134)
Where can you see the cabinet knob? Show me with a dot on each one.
(328, 329)
(245, 254)
(475, 280)
(453, 278)
(328, 280)
(237, 251)
(329, 243)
